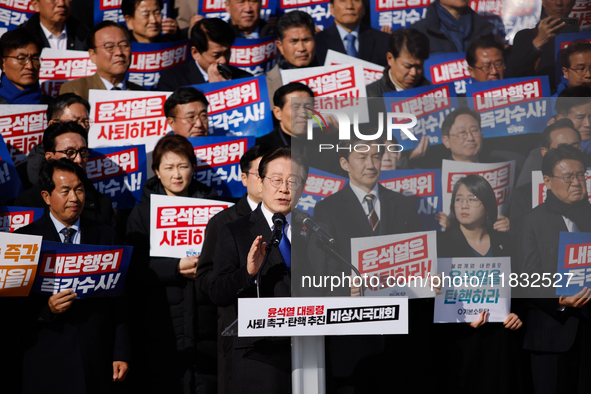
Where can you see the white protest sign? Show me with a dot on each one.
(371, 71)
(58, 67)
(22, 128)
(19, 255)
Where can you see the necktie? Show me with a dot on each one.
(373, 216)
(115, 88)
(351, 51)
(285, 247)
(68, 234)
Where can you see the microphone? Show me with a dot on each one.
(304, 218)
(278, 221)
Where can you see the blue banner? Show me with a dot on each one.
(574, 263)
(319, 10)
(119, 172)
(397, 13)
(511, 106)
(257, 56)
(110, 10)
(423, 187)
(448, 67)
(240, 107)
(14, 13)
(430, 104)
(90, 270)
(10, 183)
(149, 60)
(218, 163)
(562, 41)
(320, 184)
(13, 218)
(217, 9)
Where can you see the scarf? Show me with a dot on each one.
(579, 212)
(12, 94)
(457, 30)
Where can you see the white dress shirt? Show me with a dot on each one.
(269, 216)
(60, 42)
(361, 197)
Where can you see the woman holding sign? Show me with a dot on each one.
(481, 353)
(168, 357)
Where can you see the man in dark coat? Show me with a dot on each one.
(72, 346)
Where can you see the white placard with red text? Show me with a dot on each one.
(22, 128)
(538, 188)
(58, 67)
(501, 177)
(400, 257)
(371, 71)
(19, 255)
(177, 224)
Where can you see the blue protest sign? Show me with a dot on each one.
(217, 9)
(448, 67)
(319, 185)
(257, 56)
(13, 218)
(423, 187)
(430, 105)
(218, 163)
(511, 106)
(10, 183)
(238, 107)
(110, 10)
(319, 10)
(149, 60)
(562, 41)
(90, 270)
(119, 172)
(14, 13)
(397, 13)
(574, 263)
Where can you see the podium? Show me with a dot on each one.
(309, 320)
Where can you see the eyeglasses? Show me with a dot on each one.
(83, 122)
(193, 119)
(581, 71)
(569, 178)
(276, 182)
(498, 65)
(23, 60)
(462, 135)
(110, 46)
(472, 201)
(72, 153)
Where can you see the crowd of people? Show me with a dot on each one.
(164, 333)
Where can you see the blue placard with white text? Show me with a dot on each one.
(217, 9)
(10, 183)
(397, 13)
(319, 10)
(448, 67)
(149, 60)
(13, 218)
(14, 13)
(110, 10)
(574, 263)
(319, 185)
(256, 56)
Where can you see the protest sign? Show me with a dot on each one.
(582, 11)
(472, 285)
(319, 185)
(448, 67)
(19, 255)
(22, 128)
(14, 13)
(217, 9)
(149, 60)
(319, 10)
(59, 67)
(10, 182)
(538, 188)
(177, 224)
(509, 16)
(397, 13)
(13, 218)
(371, 72)
(561, 42)
(574, 264)
(256, 56)
(110, 10)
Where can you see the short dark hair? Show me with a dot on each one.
(252, 154)
(48, 168)
(56, 129)
(279, 96)
(58, 105)
(128, 6)
(181, 96)
(481, 43)
(573, 96)
(284, 152)
(292, 20)
(564, 123)
(176, 144)
(451, 119)
(482, 189)
(572, 49)
(556, 155)
(211, 29)
(90, 43)
(346, 147)
(18, 38)
(415, 43)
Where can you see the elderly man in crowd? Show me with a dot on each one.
(486, 60)
(245, 19)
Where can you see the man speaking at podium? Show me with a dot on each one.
(262, 365)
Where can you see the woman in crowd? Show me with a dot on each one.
(174, 336)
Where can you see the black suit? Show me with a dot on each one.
(73, 352)
(77, 32)
(188, 74)
(373, 44)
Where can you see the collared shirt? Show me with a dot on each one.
(570, 225)
(59, 226)
(109, 85)
(398, 87)
(253, 35)
(60, 42)
(343, 33)
(203, 72)
(269, 216)
(361, 197)
(253, 205)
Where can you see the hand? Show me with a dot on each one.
(355, 290)
(547, 28)
(188, 266)
(502, 224)
(441, 218)
(421, 149)
(214, 74)
(255, 256)
(120, 369)
(576, 301)
(512, 322)
(62, 301)
(436, 289)
(194, 19)
(169, 26)
(481, 320)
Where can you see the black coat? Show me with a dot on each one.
(373, 44)
(73, 352)
(526, 60)
(453, 243)
(265, 30)
(77, 32)
(385, 85)
(188, 74)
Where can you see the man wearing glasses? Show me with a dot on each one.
(486, 60)
(186, 113)
(576, 65)
(20, 69)
(68, 140)
(110, 49)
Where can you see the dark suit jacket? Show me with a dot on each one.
(81, 86)
(373, 44)
(453, 243)
(188, 74)
(77, 32)
(265, 30)
(73, 352)
(527, 61)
